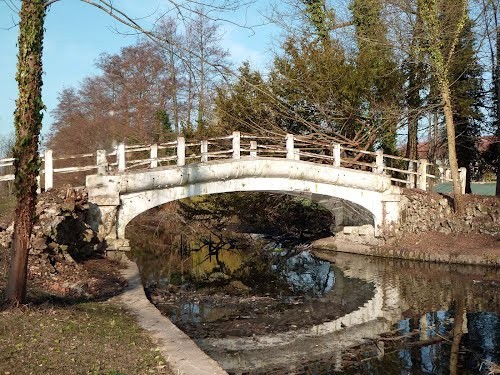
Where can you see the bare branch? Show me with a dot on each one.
(14, 9)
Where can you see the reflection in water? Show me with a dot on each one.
(363, 316)
(305, 273)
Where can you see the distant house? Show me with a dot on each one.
(475, 172)
(483, 144)
(423, 151)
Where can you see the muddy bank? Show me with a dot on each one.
(215, 310)
(459, 248)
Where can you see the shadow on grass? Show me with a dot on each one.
(101, 282)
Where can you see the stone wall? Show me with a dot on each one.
(423, 211)
(61, 229)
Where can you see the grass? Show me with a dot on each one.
(54, 335)
(85, 338)
(486, 188)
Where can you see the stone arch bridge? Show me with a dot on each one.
(242, 164)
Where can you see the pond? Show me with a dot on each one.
(295, 311)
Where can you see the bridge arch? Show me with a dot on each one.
(122, 197)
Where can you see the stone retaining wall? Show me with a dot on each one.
(423, 212)
(61, 228)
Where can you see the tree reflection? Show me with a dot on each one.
(458, 331)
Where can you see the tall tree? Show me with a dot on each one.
(167, 28)
(126, 102)
(491, 9)
(28, 122)
(320, 17)
(209, 63)
(441, 34)
(466, 75)
(414, 71)
(378, 73)
(244, 104)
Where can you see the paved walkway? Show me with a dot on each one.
(181, 353)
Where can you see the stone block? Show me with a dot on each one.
(366, 230)
(443, 202)
(351, 231)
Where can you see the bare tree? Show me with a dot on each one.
(204, 38)
(168, 29)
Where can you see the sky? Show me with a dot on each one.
(77, 33)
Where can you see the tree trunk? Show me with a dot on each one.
(457, 335)
(175, 102)
(201, 96)
(28, 122)
(189, 102)
(497, 94)
(432, 148)
(412, 147)
(452, 151)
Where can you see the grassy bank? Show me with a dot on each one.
(57, 334)
(86, 338)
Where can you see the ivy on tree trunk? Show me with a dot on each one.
(441, 48)
(28, 122)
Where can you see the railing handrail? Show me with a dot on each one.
(413, 173)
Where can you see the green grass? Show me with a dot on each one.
(7, 208)
(487, 188)
(86, 338)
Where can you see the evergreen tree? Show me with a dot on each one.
(243, 104)
(415, 74)
(378, 74)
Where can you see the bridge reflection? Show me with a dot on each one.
(405, 294)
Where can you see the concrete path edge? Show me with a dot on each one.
(181, 353)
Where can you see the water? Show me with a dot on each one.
(356, 315)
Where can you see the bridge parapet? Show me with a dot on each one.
(405, 172)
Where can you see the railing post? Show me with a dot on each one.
(441, 173)
(379, 161)
(336, 155)
(154, 156)
(120, 157)
(411, 177)
(204, 151)
(290, 154)
(447, 175)
(102, 162)
(48, 170)
(181, 151)
(236, 145)
(422, 174)
(253, 149)
(463, 178)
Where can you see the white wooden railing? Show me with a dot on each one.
(403, 171)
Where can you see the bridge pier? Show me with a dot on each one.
(103, 220)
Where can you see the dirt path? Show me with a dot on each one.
(480, 249)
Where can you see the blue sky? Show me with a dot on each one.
(76, 34)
